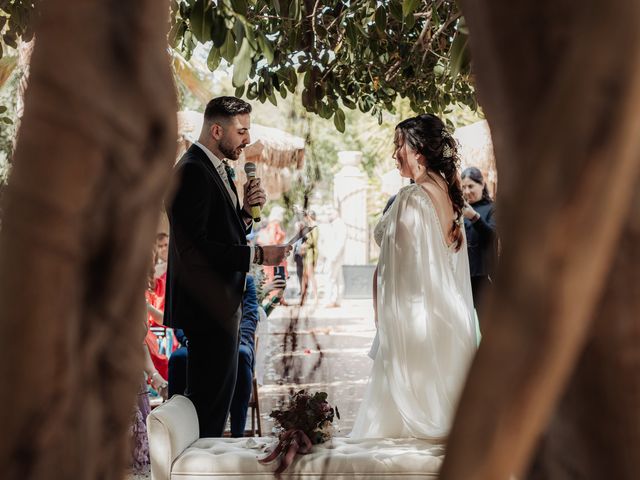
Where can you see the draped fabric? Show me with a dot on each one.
(426, 325)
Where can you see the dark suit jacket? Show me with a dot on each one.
(208, 251)
(482, 239)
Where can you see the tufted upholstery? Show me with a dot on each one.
(173, 457)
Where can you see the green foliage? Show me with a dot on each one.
(8, 120)
(16, 20)
(361, 54)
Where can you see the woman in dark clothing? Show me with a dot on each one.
(480, 226)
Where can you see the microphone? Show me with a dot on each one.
(250, 169)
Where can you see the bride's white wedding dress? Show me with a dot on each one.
(426, 325)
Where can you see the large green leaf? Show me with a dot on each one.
(218, 31)
(352, 33)
(265, 47)
(381, 19)
(242, 64)
(252, 91)
(348, 103)
(458, 55)
(409, 22)
(247, 29)
(228, 49)
(201, 20)
(339, 120)
(408, 7)
(213, 60)
(176, 33)
(396, 10)
(240, 6)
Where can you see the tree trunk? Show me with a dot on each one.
(92, 162)
(595, 432)
(560, 86)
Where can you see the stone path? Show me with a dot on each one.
(319, 348)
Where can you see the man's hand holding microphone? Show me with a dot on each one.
(254, 199)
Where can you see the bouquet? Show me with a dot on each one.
(307, 421)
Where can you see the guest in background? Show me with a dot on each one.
(246, 359)
(310, 249)
(159, 348)
(480, 227)
(270, 296)
(162, 249)
(160, 274)
(273, 234)
(140, 441)
(333, 250)
(298, 256)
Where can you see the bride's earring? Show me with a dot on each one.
(421, 165)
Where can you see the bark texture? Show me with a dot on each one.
(595, 431)
(92, 163)
(560, 86)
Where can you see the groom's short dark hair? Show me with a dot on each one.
(223, 108)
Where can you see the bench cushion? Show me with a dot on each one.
(341, 458)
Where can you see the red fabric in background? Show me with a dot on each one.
(160, 360)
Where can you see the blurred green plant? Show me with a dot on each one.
(344, 55)
(9, 86)
(361, 54)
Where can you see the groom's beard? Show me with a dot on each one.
(231, 152)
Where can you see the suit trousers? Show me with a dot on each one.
(178, 372)
(212, 365)
(242, 393)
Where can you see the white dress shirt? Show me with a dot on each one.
(219, 167)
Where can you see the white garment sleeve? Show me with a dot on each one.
(426, 339)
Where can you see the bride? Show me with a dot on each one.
(422, 296)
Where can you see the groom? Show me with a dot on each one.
(209, 258)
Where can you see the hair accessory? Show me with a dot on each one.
(447, 151)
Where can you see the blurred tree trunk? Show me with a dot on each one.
(560, 86)
(595, 432)
(80, 213)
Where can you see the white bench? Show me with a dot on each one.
(178, 454)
